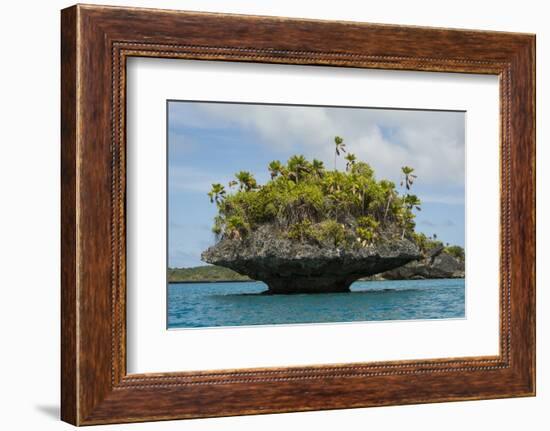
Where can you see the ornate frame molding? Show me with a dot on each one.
(96, 41)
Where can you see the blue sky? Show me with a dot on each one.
(208, 142)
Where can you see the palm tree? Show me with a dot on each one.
(332, 184)
(350, 161)
(246, 181)
(412, 201)
(318, 167)
(355, 190)
(232, 184)
(359, 189)
(389, 195)
(408, 177)
(339, 147)
(334, 193)
(298, 165)
(217, 193)
(275, 168)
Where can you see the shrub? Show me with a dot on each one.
(300, 230)
(330, 231)
(455, 251)
(425, 243)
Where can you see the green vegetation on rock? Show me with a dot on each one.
(456, 251)
(431, 245)
(306, 202)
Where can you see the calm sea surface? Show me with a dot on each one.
(199, 305)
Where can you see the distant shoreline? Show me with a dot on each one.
(210, 274)
(257, 281)
(212, 281)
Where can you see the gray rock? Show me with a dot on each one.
(288, 266)
(436, 264)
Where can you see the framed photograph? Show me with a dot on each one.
(264, 214)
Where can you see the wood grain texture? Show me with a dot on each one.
(96, 41)
(69, 366)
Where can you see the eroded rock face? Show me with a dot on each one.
(288, 266)
(438, 264)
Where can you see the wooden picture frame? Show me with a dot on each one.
(95, 43)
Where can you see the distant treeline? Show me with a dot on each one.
(207, 273)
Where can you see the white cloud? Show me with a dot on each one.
(430, 141)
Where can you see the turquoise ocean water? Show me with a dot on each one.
(199, 305)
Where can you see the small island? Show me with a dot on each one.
(310, 229)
